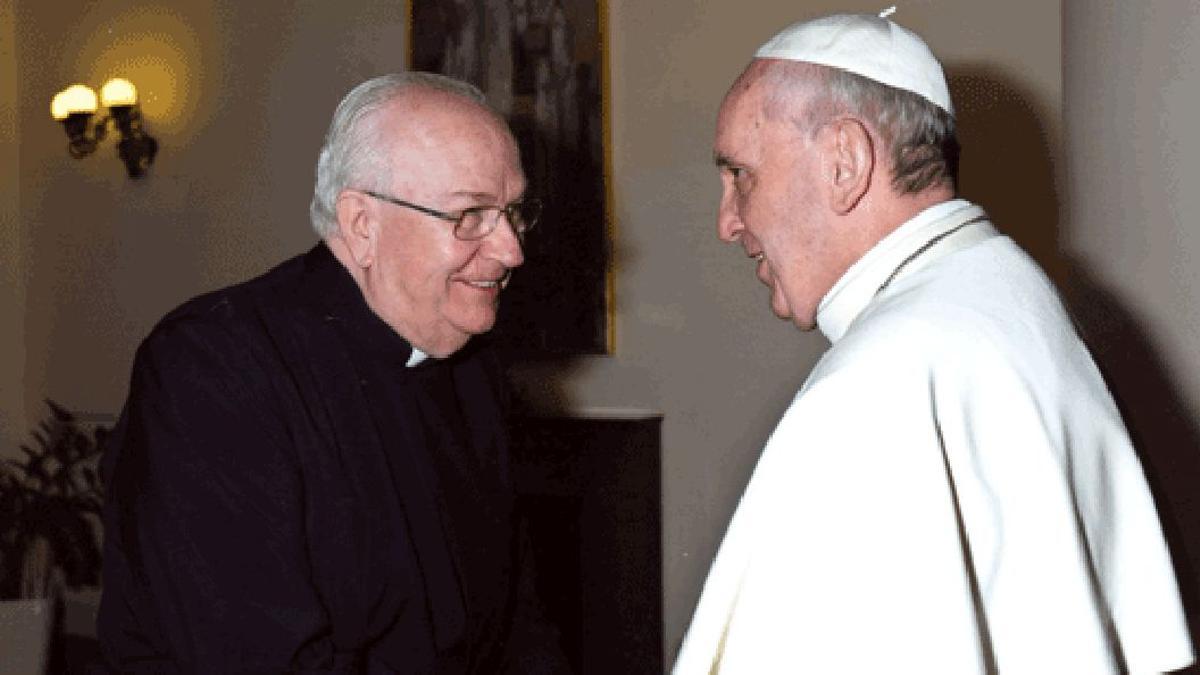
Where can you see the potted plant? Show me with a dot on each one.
(50, 503)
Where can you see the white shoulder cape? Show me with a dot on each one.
(952, 491)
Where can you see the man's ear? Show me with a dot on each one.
(358, 226)
(850, 155)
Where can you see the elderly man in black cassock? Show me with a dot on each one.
(310, 471)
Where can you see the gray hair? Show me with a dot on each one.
(919, 135)
(353, 154)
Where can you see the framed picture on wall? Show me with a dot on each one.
(541, 63)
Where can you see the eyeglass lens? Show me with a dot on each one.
(478, 223)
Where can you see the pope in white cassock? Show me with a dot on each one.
(952, 489)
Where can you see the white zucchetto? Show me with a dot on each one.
(875, 48)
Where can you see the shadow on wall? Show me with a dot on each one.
(1008, 159)
(1008, 167)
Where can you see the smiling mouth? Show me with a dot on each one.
(500, 283)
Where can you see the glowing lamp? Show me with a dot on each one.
(77, 98)
(118, 91)
(76, 107)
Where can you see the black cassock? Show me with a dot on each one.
(286, 495)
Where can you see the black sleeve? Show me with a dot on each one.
(205, 565)
(535, 644)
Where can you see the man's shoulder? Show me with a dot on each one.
(991, 287)
(989, 308)
(230, 302)
(230, 319)
(240, 302)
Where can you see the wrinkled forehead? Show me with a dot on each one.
(751, 93)
(780, 83)
(764, 109)
(739, 92)
(771, 91)
(741, 110)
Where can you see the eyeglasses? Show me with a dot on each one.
(473, 223)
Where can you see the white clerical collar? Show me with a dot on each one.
(416, 357)
(863, 280)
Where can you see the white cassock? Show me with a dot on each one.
(951, 491)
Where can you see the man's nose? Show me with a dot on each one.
(506, 243)
(729, 224)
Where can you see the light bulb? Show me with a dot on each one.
(118, 91)
(76, 98)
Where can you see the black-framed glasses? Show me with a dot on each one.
(477, 222)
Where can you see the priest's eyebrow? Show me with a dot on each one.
(472, 194)
(485, 197)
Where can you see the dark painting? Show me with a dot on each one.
(540, 62)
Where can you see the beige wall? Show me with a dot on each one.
(239, 95)
(1133, 156)
(12, 254)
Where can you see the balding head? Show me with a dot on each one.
(427, 135)
(427, 206)
(354, 154)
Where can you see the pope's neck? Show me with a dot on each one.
(881, 212)
(897, 209)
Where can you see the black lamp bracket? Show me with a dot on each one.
(136, 148)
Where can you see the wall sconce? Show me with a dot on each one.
(76, 107)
